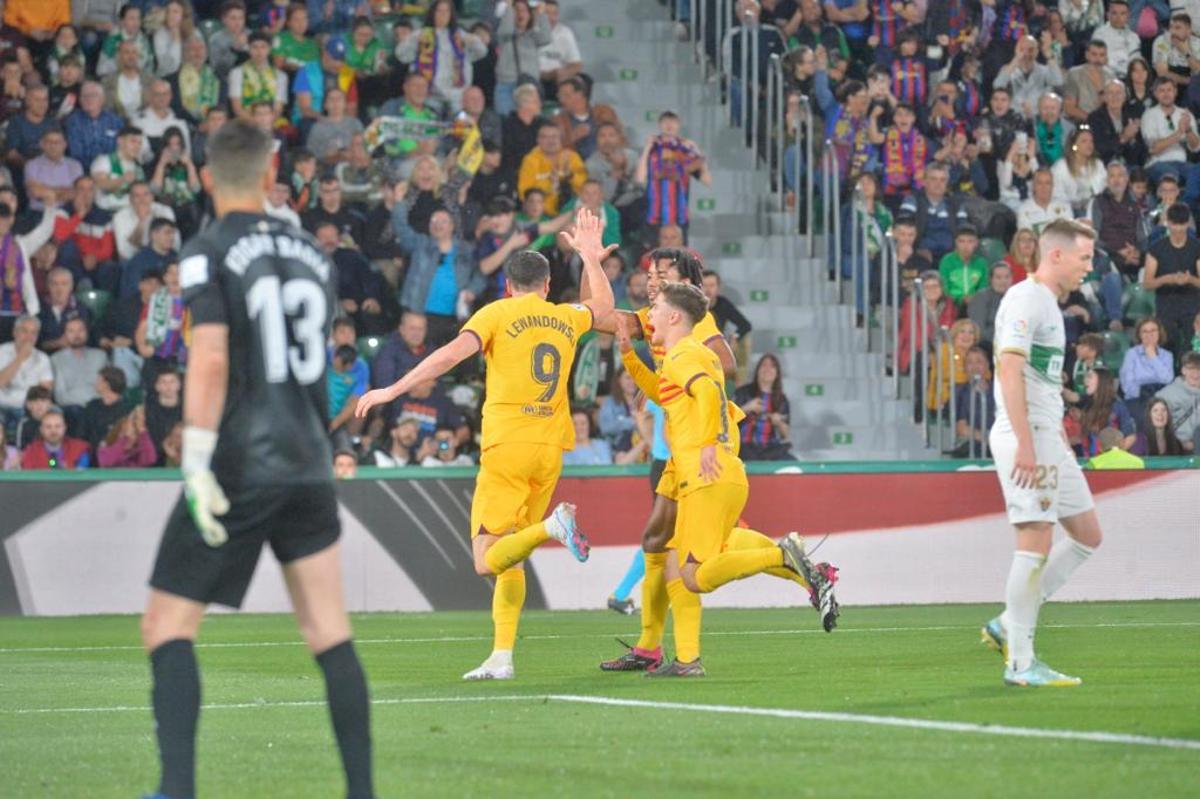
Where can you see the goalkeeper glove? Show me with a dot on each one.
(205, 499)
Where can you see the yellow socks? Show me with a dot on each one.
(512, 549)
(736, 565)
(507, 600)
(741, 538)
(685, 610)
(654, 601)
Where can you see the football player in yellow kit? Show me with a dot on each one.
(528, 346)
(711, 486)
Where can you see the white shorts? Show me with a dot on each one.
(1060, 490)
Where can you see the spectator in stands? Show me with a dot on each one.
(38, 402)
(441, 271)
(1175, 50)
(520, 128)
(50, 177)
(361, 291)
(1118, 223)
(345, 385)
(129, 29)
(1015, 173)
(1079, 175)
(128, 444)
(905, 153)
(116, 171)
(730, 321)
(154, 257)
(1122, 43)
(10, 456)
(982, 307)
(292, 48)
(474, 106)
(1022, 256)
(400, 447)
(428, 404)
(22, 366)
(108, 407)
(402, 350)
(164, 408)
(591, 197)
(118, 329)
(177, 28)
(1183, 401)
(255, 81)
(501, 237)
(1173, 274)
(54, 449)
(330, 136)
(18, 292)
(964, 271)
(763, 41)
(614, 164)
(64, 91)
(846, 123)
(910, 262)
(91, 128)
(1026, 79)
(1051, 129)
(1170, 133)
(332, 210)
(75, 367)
(766, 429)
(195, 88)
(557, 171)
(866, 210)
(636, 294)
(1156, 435)
(443, 53)
(941, 313)
(159, 336)
(579, 120)
(560, 59)
(58, 309)
(1084, 83)
(125, 89)
(1042, 207)
(231, 44)
(24, 134)
(158, 117)
(445, 450)
(977, 391)
(666, 167)
(945, 377)
(618, 412)
(345, 463)
(588, 451)
(1116, 130)
(1147, 367)
(1101, 408)
(521, 31)
(937, 214)
(134, 224)
(175, 182)
(277, 203)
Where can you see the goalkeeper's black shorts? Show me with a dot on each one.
(296, 520)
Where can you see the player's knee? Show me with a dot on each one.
(653, 540)
(157, 629)
(689, 582)
(481, 566)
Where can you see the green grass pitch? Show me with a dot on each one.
(266, 734)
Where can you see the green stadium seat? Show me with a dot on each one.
(993, 250)
(368, 347)
(208, 27)
(1116, 344)
(95, 300)
(1138, 302)
(385, 32)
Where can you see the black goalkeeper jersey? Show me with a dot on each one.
(274, 288)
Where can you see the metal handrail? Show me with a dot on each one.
(921, 334)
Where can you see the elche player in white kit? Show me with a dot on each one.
(1039, 475)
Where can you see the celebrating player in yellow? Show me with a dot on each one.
(711, 486)
(528, 346)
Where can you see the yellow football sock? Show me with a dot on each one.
(736, 565)
(741, 538)
(654, 601)
(507, 600)
(512, 549)
(685, 611)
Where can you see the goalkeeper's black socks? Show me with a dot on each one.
(176, 698)
(350, 710)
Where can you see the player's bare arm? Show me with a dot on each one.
(1012, 387)
(440, 361)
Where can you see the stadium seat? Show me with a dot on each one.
(95, 300)
(385, 32)
(993, 250)
(1138, 302)
(1116, 344)
(208, 27)
(368, 347)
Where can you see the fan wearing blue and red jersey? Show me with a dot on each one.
(666, 168)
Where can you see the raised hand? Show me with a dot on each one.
(587, 239)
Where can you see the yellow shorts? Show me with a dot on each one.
(514, 486)
(706, 517)
(668, 482)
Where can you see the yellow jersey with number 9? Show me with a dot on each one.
(704, 331)
(693, 424)
(528, 346)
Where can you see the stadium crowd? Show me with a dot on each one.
(421, 149)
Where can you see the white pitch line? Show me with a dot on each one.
(935, 725)
(452, 639)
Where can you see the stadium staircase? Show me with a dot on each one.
(843, 405)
